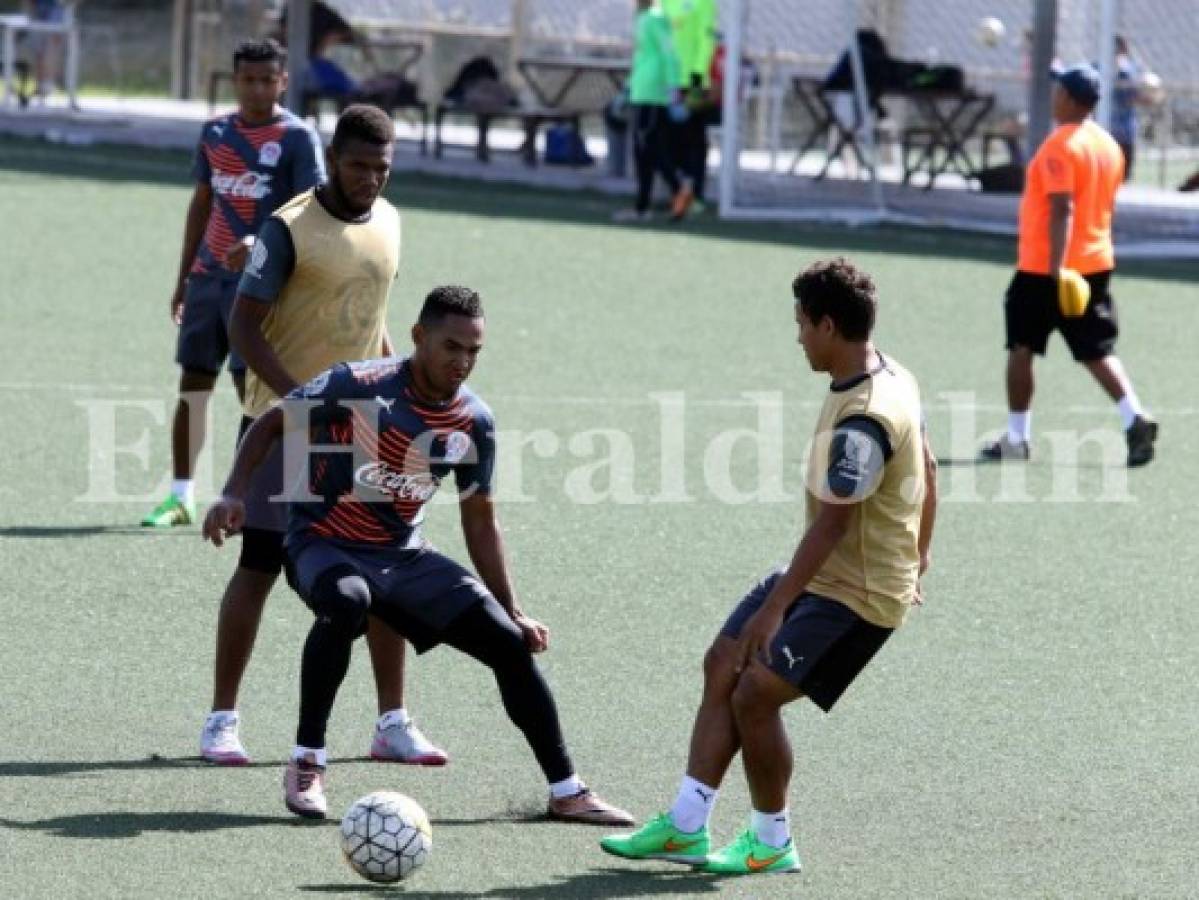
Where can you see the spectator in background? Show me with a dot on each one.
(654, 96)
(693, 27)
(327, 29)
(47, 49)
(326, 78)
(1126, 94)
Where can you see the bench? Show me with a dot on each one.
(531, 118)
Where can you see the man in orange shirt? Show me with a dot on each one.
(1066, 228)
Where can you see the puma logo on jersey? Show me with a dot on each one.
(386, 404)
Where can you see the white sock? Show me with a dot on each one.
(567, 787)
(1019, 427)
(183, 490)
(1130, 408)
(220, 715)
(773, 829)
(301, 754)
(693, 806)
(397, 716)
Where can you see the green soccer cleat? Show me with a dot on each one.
(749, 856)
(659, 839)
(171, 511)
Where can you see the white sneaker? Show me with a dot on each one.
(219, 743)
(401, 741)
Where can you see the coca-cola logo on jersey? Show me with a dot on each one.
(248, 185)
(379, 476)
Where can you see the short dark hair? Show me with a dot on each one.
(450, 300)
(363, 122)
(838, 289)
(261, 50)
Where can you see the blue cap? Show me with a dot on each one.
(1081, 82)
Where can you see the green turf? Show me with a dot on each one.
(1031, 733)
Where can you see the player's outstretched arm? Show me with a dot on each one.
(485, 543)
(228, 514)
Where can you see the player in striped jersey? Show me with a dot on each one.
(314, 293)
(248, 163)
(385, 434)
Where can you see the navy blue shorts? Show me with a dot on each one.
(418, 592)
(204, 335)
(821, 646)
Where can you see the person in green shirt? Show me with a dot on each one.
(693, 25)
(654, 96)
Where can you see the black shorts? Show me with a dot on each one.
(1032, 313)
(203, 342)
(419, 593)
(821, 646)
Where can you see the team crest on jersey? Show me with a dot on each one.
(457, 445)
(269, 154)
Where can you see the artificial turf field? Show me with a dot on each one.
(1030, 733)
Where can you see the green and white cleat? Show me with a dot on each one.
(170, 512)
(749, 856)
(659, 839)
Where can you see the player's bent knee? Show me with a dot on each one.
(760, 691)
(343, 598)
(720, 662)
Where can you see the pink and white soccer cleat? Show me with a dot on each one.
(304, 788)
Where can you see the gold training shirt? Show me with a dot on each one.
(327, 281)
(869, 451)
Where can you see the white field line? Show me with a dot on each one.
(144, 391)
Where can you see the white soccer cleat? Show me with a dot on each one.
(219, 741)
(401, 741)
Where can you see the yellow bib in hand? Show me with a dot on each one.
(1073, 293)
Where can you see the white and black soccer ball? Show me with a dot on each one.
(990, 31)
(386, 836)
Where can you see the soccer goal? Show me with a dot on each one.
(933, 101)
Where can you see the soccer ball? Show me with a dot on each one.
(990, 31)
(386, 836)
(1151, 89)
